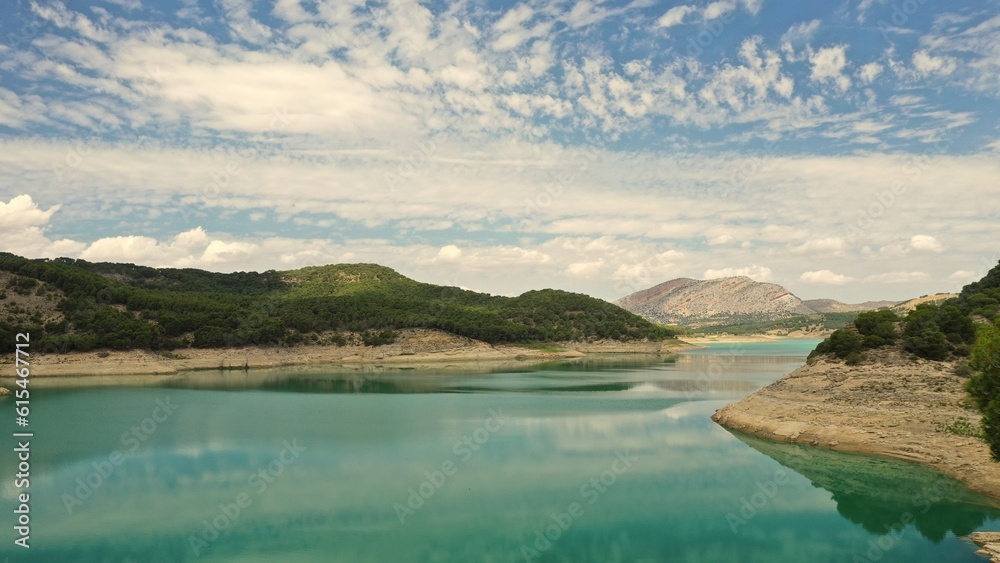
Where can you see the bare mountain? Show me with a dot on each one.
(834, 306)
(732, 300)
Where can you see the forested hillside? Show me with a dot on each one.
(75, 305)
(967, 326)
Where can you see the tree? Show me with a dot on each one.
(985, 385)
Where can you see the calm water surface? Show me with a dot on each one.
(586, 461)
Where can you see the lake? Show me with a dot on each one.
(593, 460)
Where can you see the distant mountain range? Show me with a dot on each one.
(735, 301)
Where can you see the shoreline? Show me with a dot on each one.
(414, 347)
(892, 407)
(751, 338)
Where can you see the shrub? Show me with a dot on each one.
(984, 386)
(841, 343)
(853, 359)
(878, 327)
(372, 338)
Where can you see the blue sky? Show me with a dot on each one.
(843, 149)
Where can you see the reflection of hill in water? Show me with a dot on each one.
(877, 492)
(459, 378)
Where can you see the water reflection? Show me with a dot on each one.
(883, 495)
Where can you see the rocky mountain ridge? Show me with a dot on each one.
(727, 301)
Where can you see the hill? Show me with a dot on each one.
(740, 305)
(734, 300)
(964, 330)
(834, 306)
(907, 306)
(906, 387)
(76, 305)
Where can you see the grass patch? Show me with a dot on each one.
(961, 427)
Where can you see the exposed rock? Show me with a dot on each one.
(4, 392)
(834, 306)
(733, 300)
(719, 301)
(990, 544)
(889, 405)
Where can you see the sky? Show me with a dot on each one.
(843, 149)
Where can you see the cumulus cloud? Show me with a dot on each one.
(22, 230)
(828, 66)
(449, 254)
(926, 243)
(585, 269)
(825, 277)
(22, 212)
(186, 249)
(869, 72)
(917, 243)
(927, 64)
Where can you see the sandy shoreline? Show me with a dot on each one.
(413, 347)
(752, 338)
(748, 339)
(897, 408)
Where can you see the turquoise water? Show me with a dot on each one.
(615, 461)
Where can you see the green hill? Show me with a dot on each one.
(76, 305)
(967, 326)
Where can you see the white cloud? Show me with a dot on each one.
(754, 86)
(585, 270)
(906, 100)
(22, 230)
(449, 254)
(828, 65)
(825, 277)
(927, 64)
(869, 72)
(219, 252)
(926, 243)
(712, 11)
(756, 273)
(721, 239)
(22, 212)
(829, 246)
(242, 24)
(897, 277)
(675, 16)
(801, 32)
(918, 243)
(717, 9)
